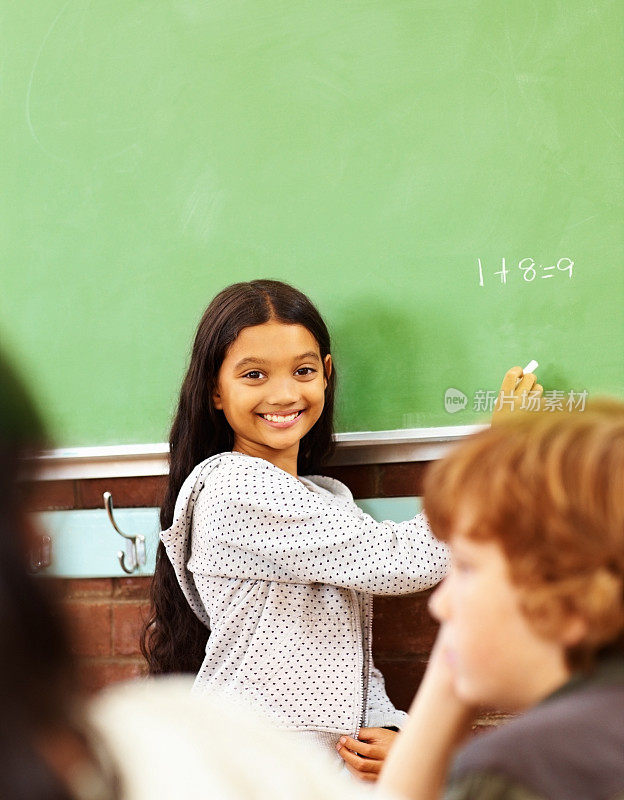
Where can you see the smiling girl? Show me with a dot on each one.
(264, 578)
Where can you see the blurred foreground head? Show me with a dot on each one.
(548, 488)
(37, 684)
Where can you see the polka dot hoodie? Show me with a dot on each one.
(282, 570)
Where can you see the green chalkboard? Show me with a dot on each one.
(445, 179)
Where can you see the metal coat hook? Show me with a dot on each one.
(41, 554)
(134, 555)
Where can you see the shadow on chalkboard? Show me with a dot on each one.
(387, 379)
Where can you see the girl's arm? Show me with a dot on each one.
(418, 763)
(256, 522)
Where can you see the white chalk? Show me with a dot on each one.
(530, 367)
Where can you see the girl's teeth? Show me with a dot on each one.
(275, 418)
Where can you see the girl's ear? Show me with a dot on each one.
(327, 364)
(216, 400)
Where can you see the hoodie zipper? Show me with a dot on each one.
(368, 655)
(365, 636)
(360, 660)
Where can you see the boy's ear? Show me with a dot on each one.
(327, 367)
(574, 630)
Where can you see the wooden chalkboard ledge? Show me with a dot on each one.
(409, 444)
(359, 447)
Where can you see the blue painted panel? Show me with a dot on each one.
(85, 545)
(397, 509)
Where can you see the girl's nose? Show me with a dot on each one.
(439, 602)
(282, 392)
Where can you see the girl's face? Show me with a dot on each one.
(496, 657)
(271, 388)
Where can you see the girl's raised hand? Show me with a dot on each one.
(518, 392)
(365, 755)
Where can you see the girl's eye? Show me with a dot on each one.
(254, 374)
(304, 371)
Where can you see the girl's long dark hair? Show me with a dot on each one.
(173, 639)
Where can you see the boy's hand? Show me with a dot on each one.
(365, 755)
(438, 722)
(518, 392)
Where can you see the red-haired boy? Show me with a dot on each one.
(531, 613)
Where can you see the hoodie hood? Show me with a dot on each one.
(177, 538)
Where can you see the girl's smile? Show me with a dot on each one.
(271, 389)
(282, 420)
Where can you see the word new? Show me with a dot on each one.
(530, 270)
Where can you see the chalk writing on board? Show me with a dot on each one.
(527, 269)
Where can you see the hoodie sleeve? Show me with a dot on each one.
(255, 522)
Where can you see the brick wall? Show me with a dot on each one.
(105, 614)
